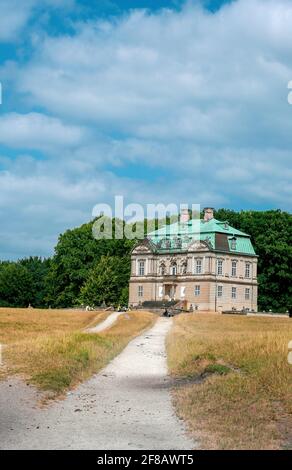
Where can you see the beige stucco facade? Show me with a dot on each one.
(205, 279)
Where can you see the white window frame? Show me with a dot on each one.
(233, 292)
(247, 293)
(219, 292)
(140, 291)
(141, 271)
(198, 266)
(234, 268)
(197, 290)
(247, 270)
(173, 269)
(219, 265)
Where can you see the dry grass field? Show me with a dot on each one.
(50, 348)
(238, 388)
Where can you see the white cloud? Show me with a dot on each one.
(191, 105)
(38, 131)
(14, 15)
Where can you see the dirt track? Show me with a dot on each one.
(126, 406)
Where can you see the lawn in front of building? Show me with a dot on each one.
(238, 388)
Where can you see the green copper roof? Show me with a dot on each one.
(219, 235)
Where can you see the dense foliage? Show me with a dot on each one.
(24, 282)
(89, 271)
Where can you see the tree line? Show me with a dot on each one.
(87, 271)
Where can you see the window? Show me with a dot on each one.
(219, 291)
(233, 243)
(233, 269)
(233, 292)
(247, 293)
(247, 269)
(173, 269)
(219, 267)
(141, 268)
(198, 266)
(197, 290)
(162, 269)
(140, 291)
(184, 267)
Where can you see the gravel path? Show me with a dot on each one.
(126, 406)
(105, 324)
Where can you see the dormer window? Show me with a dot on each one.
(233, 243)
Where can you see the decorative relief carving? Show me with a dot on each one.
(198, 246)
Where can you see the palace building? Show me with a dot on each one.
(205, 265)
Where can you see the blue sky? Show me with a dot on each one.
(159, 101)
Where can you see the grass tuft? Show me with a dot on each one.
(220, 369)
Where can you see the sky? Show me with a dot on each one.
(159, 101)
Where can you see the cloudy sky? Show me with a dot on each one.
(156, 100)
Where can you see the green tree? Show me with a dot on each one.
(38, 269)
(16, 285)
(106, 282)
(76, 253)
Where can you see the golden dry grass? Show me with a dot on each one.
(244, 400)
(19, 323)
(51, 349)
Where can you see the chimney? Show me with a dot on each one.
(208, 214)
(184, 216)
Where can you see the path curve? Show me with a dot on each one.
(126, 406)
(109, 321)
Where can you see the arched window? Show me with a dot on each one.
(184, 267)
(173, 269)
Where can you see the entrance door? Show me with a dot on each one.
(169, 291)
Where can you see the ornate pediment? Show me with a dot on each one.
(198, 245)
(143, 247)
